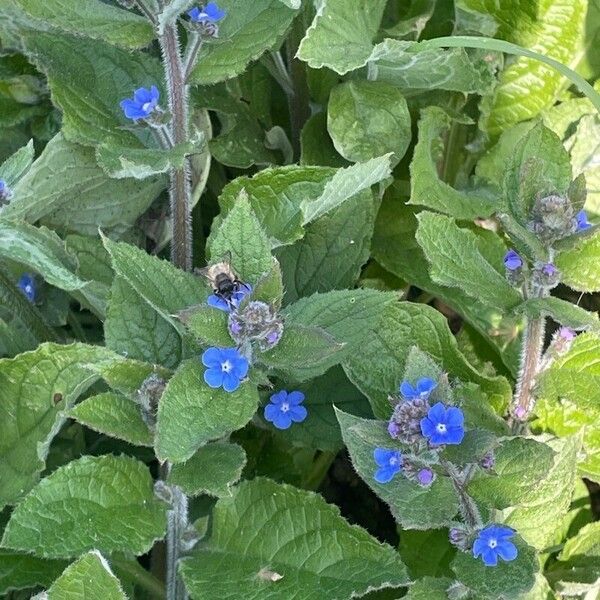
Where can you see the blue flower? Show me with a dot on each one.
(582, 221)
(143, 104)
(285, 408)
(493, 542)
(226, 368)
(5, 191)
(512, 260)
(27, 286)
(422, 389)
(389, 463)
(236, 298)
(211, 13)
(443, 425)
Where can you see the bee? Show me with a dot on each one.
(223, 279)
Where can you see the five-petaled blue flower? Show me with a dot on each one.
(389, 463)
(285, 409)
(422, 389)
(211, 13)
(512, 260)
(143, 104)
(236, 298)
(582, 221)
(27, 286)
(493, 542)
(443, 425)
(226, 368)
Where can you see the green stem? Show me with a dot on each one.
(468, 508)
(142, 578)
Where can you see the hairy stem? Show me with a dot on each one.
(177, 522)
(468, 508)
(180, 189)
(194, 46)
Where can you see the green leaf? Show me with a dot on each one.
(93, 19)
(208, 325)
(249, 29)
(585, 543)
(366, 118)
(346, 183)
(427, 553)
(17, 165)
(191, 414)
(583, 148)
(429, 588)
(474, 446)
(507, 579)
(427, 189)
(520, 465)
(561, 311)
(68, 190)
(212, 470)
(87, 578)
(456, 259)
(377, 366)
(413, 506)
(580, 266)
(341, 35)
(113, 415)
(241, 235)
(292, 524)
(317, 147)
(35, 388)
(62, 516)
(21, 571)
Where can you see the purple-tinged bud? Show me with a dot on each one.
(488, 461)
(553, 218)
(272, 337)
(407, 420)
(425, 477)
(545, 276)
(567, 334)
(459, 537)
(520, 413)
(512, 260)
(549, 270)
(393, 429)
(562, 340)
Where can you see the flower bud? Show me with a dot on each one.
(405, 423)
(545, 276)
(553, 218)
(148, 396)
(488, 461)
(256, 321)
(460, 538)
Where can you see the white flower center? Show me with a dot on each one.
(28, 289)
(441, 427)
(226, 366)
(394, 460)
(492, 543)
(285, 407)
(147, 106)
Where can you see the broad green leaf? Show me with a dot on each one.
(413, 506)
(583, 148)
(13, 113)
(368, 118)
(113, 415)
(474, 446)
(88, 578)
(63, 517)
(135, 329)
(17, 165)
(413, 21)
(456, 257)
(561, 311)
(426, 553)
(303, 544)
(208, 325)
(20, 571)
(241, 235)
(377, 366)
(245, 33)
(341, 35)
(585, 543)
(429, 588)
(191, 414)
(68, 190)
(427, 189)
(505, 580)
(347, 182)
(35, 388)
(520, 465)
(212, 470)
(91, 18)
(316, 145)
(580, 266)
(421, 66)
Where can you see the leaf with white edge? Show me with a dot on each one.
(427, 189)
(345, 184)
(340, 37)
(290, 527)
(212, 470)
(292, 3)
(113, 415)
(171, 12)
(245, 33)
(456, 260)
(241, 235)
(377, 365)
(35, 387)
(208, 325)
(585, 543)
(366, 118)
(21, 571)
(583, 148)
(413, 506)
(17, 165)
(88, 578)
(95, 502)
(91, 18)
(418, 66)
(68, 190)
(505, 580)
(429, 588)
(191, 414)
(580, 266)
(561, 311)
(520, 465)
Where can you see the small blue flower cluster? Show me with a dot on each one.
(211, 13)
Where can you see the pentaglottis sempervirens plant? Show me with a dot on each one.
(299, 299)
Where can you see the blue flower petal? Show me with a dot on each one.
(282, 421)
(132, 109)
(212, 358)
(213, 377)
(407, 391)
(425, 386)
(295, 398)
(427, 427)
(279, 397)
(453, 436)
(240, 367)
(384, 474)
(142, 95)
(454, 417)
(437, 413)
(154, 94)
(230, 382)
(382, 456)
(214, 12)
(479, 546)
(218, 302)
(506, 550)
(489, 556)
(297, 413)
